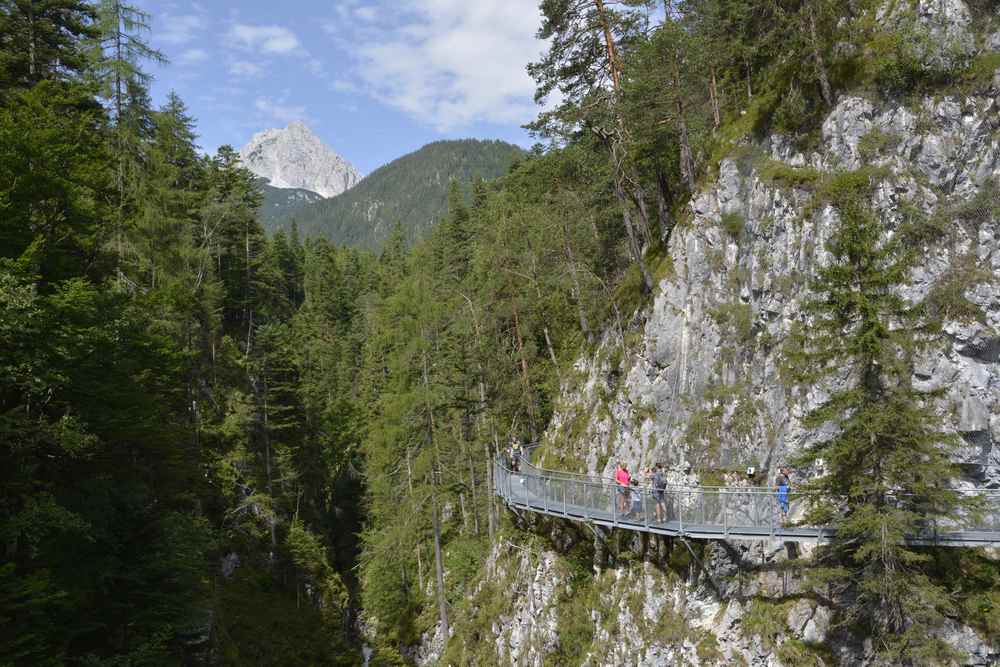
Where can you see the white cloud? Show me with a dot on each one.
(192, 57)
(450, 63)
(270, 39)
(279, 110)
(245, 69)
(177, 30)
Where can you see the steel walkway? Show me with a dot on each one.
(722, 513)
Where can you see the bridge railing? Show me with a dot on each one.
(723, 511)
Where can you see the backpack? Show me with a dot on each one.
(659, 482)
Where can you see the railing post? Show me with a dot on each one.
(725, 513)
(680, 513)
(614, 505)
(774, 510)
(645, 508)
(565, 513)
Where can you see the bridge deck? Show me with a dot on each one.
(700, 513)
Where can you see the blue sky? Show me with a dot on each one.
(375, 79)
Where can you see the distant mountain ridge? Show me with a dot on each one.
(411, 190)
(295, 158)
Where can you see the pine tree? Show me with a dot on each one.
(587, 44)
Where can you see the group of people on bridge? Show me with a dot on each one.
(629, 487)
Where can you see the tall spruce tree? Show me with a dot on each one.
(887, 467)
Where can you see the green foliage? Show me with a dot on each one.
(259, 623)
(946, 300)
(159, 404)
(782, 174)
(794, 112)
(798, 653)
(735, 320)
(733, 223)
(707, 649)
(766, 619)
(876, 143)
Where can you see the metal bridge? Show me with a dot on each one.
(720, 513)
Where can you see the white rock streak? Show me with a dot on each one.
(296, 158)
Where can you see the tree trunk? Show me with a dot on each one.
(663, 210)
(639, 198)
(475, 500)
(746, 63)
(409, 484)
(713, 92)
(524, 368)
(647, 279)
(32, 43)
(545, 327)
(575, 285)
(491, 505)
(270, 482)
(687, 164)
(627, 216)
(609, 45)
(824, 81)
(465, 514)
(439, 566)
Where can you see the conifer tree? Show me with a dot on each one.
(887, 467)
(43, 39)
(587, 44)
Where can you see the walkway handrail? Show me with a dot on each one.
(563, 474)
(707, 512)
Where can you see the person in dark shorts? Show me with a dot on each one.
(659, 493)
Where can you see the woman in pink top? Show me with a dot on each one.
(622, 478)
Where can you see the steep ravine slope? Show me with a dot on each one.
(698, 379)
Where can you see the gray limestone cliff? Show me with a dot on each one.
(294, 157)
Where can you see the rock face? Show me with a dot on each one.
(704, 385)
(296, 158)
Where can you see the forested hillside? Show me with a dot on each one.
(762, 232)
(177, 423)
(411, 191)
(279, 203)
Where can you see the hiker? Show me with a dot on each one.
(636, 505)
(515, 454)
(781, 488)
(659, 491)
(622, 478)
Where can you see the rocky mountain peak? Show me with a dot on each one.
(294, 157)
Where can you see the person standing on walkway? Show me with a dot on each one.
(622, 478)
(515, 454)
(659, 493)
(636, 500)
(781, 486)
